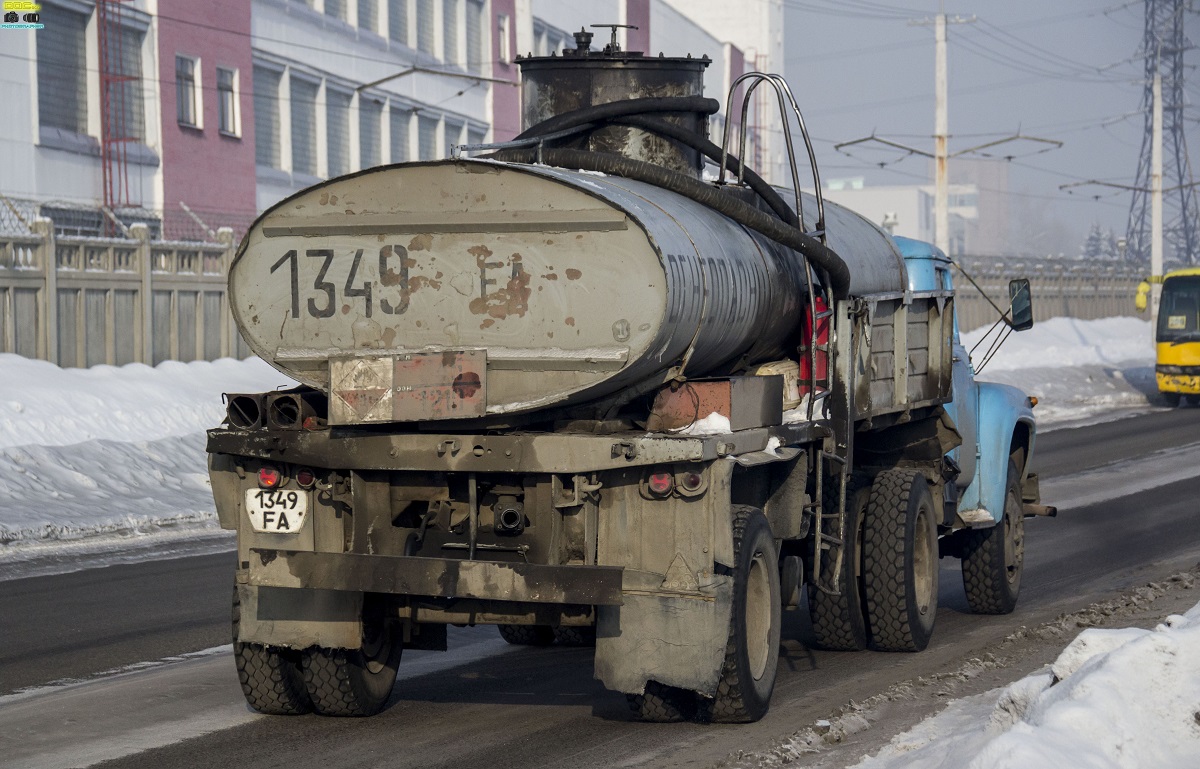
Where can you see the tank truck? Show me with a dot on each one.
(571, 386)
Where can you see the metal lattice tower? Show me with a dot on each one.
(1163, 46)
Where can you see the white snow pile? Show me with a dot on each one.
(110, 450)
(1075, 367)
(120, 450)
(1079, 713)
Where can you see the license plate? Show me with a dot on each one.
(277, 511)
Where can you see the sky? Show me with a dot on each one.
(1067, 70)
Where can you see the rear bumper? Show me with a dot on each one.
(437, 577)
(1171, 383)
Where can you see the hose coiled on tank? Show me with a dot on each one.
(814, 250)
(633, 112)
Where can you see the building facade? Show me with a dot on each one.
(192, 116)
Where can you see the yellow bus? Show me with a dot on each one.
(1177, 337)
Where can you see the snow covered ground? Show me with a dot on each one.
(111, 459)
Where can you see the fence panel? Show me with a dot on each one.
(83, 301)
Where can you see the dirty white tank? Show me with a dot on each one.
(468, 288)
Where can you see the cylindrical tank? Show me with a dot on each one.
(569, 286)
(553, 85)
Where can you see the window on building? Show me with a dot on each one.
(336, 9)
(304, 126)
(127, 118)
(187, 94)
(337, 131)
(266, 117)
(368, 14)
(453, 134)
(504, 24)
(370, 111)
(398, 20)
(450, 31)
(400, 118)
(62, 72)
(476, 50)
(476, 135)
(228, 114)
(425, 28)
(427, 137)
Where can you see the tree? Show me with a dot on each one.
(1093, 248)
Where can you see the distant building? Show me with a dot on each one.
(908, 210)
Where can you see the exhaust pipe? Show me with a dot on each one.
(244, 411)
(295, 410)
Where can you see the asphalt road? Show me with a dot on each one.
(1130, 512)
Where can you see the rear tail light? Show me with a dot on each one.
(691, 481)
(305, 478)
(660, 483)
(269, 477)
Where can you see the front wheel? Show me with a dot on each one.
(993, 558)
(356, 682)
(900, 562)
(752, 652)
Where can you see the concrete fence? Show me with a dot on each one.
(80, 301)
(83, 301)
(1060, 288)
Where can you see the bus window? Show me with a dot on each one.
(1179, 312)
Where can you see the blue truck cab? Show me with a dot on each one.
(995, 421)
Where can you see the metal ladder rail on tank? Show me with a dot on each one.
(822, 541)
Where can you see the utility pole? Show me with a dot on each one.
(1156, 205)
(941, 126)
(941, 137)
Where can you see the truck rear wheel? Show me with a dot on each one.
(900, 562)
(993, 558)
(527, 635)
(356, 682)
(271, 679)
(661, 704)
(575, 636)
(838, 621)
(752, 652)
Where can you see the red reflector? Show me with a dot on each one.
(661, 483)
(268, 477)
(306, 478)
(691, 481)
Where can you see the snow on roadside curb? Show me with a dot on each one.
(110, 450)
(959, 731)
(1078, 713)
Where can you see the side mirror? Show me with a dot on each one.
(1020, 304)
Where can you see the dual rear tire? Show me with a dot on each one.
(332, 682)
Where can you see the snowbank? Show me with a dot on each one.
(1076, 368)
(1079, 713)
(110, 450)
(42, 404)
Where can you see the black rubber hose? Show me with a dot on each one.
(711, 151)
(814, 250)
(613, 109)
(633, 112)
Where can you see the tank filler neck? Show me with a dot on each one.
(583, 44)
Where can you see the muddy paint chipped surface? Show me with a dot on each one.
(420, 243)
(574, 274)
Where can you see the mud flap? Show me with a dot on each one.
(677, 639)
(299, 618)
